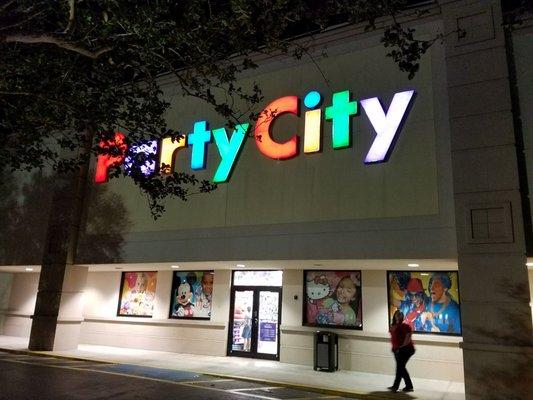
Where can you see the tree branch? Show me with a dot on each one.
(71, 16)
(6, 5)
(44, 38)
(22, 22)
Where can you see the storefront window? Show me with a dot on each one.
(257, 278)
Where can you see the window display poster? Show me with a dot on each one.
(429, 300)
(137, 294)
(192, 293)
(332, 299)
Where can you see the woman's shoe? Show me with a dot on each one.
(393, 389)
(407, 389)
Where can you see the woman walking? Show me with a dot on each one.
(403, 349)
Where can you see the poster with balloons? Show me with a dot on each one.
(429, 300)
(137, 294)
(192, 293)
(332, 299)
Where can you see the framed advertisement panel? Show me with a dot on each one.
(137, 294)
(191, 294)
(332, 299)
(429, 300)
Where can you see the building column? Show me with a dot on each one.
(494, 288)
(59, 306)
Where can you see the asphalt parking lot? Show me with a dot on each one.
(26, 376)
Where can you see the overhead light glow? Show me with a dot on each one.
(240, 265)
(29, 269)
(174, 266)
(413, 265)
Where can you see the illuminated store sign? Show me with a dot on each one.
(386, 123)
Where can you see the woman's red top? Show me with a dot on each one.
(398, 333)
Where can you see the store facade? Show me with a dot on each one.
(351, 206)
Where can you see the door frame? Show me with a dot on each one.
(255, 325)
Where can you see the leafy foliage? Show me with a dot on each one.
(73, 72)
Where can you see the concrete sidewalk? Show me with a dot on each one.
(350, 382)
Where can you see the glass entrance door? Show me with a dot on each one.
(254, 324)
(241, 326)
(267, 337)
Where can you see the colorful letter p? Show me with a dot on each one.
(105, 161)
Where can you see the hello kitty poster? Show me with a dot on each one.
(332, 299)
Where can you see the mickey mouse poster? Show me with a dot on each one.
(191, 294)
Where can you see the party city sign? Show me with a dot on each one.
(386, 125)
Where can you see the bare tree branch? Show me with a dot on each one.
(24, 21)
(71, 16)
(44, 38)
(6, 5)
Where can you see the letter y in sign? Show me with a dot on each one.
(386, 125)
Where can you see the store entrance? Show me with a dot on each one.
(255, 316)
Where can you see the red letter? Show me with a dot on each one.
(263, 137)
(105, 161)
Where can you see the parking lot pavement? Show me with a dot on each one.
(26, 376)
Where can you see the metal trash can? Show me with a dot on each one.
(326, 354)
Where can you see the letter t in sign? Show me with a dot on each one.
(198, 140)
(339, 113)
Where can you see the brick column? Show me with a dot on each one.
(496, 316)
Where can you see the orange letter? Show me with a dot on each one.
(263, 136)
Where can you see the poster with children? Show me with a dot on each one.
(191, 294)
(137, 294)
(333, 299)
(429, 300)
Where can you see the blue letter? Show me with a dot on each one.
(198, 140)
(228, 149)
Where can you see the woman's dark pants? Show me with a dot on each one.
(402, 356)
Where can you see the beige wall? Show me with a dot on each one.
(5, 291)
(438, 357)
(21, 304)
(103, 327)
(283, 209)
(333, 185)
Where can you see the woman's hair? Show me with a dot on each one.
(397, 312)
